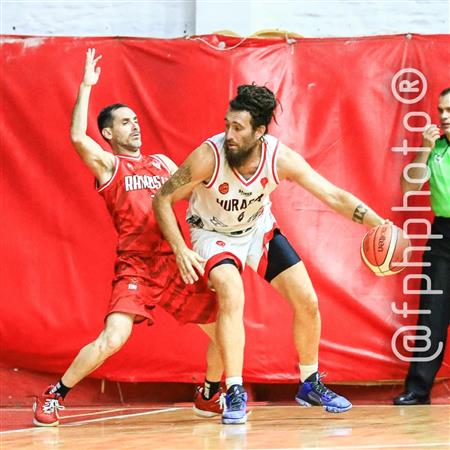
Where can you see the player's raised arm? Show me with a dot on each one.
(98, 160)
(291, 166)
(197, 168)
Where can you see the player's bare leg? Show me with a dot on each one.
(295, 285)
(117, 330)
(227, 282)
(214, 365)
(209, 398)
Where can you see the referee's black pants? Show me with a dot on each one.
(421, 374)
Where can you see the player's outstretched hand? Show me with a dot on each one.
(190, 265)
(91, 72)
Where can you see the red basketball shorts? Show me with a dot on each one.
(142, 282)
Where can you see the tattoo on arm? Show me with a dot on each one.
(180, 178)
(359, 213)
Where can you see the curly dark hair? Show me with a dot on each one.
(105, 117)
(446, 91)
(259, 101)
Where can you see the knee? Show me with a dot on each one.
(110, 342)
(227, 283)
(230, 296)
(307, 305)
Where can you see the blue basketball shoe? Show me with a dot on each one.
(235, 405)
(314, 393)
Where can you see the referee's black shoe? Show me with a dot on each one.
(411, 398)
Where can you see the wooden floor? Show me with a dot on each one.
(269, 427)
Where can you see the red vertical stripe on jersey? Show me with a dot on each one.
(274, 161)
(264, 261)
(217, 166)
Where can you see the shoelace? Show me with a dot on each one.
(51, 405)
(221, 401)
(320, 388)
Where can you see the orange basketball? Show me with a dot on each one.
(382, 246)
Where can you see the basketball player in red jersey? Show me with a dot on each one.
(145, 271)
(229, 179)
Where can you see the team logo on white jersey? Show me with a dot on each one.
(264, 182)
(224, 188)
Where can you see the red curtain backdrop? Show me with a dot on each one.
(337, 110)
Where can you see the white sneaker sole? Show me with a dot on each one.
(230, 421)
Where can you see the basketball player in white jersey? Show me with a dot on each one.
(229, 179)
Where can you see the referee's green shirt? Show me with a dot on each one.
(439, 164)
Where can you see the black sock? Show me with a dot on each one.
(210, 388)
(59, 389)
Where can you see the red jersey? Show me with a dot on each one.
(128, 196)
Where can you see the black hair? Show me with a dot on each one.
(446, 91)
(259, 101)
(105, 117)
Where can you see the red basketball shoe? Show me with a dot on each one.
(208, 408)
(46, 409)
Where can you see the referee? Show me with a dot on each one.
(421, 374)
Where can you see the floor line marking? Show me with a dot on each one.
(122, 416)
(94, 413)
(81, 422)
(87, 408)
(374, 446)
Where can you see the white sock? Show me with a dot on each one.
(233, 380)
(307, 371)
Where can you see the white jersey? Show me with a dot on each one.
(229, 203)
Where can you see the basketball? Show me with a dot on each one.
(382, 247)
